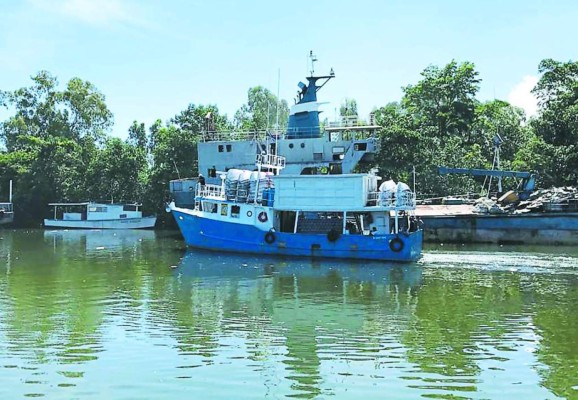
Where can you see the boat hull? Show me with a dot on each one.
(243, 238)
(543, 228)
(127, 223)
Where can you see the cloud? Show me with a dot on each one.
(521, 95)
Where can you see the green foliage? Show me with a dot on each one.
(52, 170)
(43, 112)
(557, 124)
(261, 111)
(174, 153)
(114, 173)
(444, 98)
(348, 108)
(440, 123)
(199, 119)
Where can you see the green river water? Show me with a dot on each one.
(135, 315)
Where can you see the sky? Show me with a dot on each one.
(151, 59)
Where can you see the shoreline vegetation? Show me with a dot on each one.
(56, 144)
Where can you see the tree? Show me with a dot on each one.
(52, 169)
(557, 123)
(199, 119)
(261, 111)
(116, 172)
(444, 98)
(41, 111)
(174, 153)
(137, 136)
(348, 108)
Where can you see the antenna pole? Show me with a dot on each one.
(313, 58)
(277, 130)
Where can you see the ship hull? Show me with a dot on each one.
(543, 228)
(217, 235)
(127, 223)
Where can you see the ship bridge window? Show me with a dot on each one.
(360, 146)
(309, 171)
(221, 148)
(229, 148)
(235, 211)
(96, 209)
(317, 156)
(177, 186)
(210, 207)
(212, 172)
(224, 210)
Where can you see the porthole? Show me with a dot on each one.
(302, 145)
(249, 213)
(290, 145)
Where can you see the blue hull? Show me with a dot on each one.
(223, 236)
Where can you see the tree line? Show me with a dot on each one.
(57, 145)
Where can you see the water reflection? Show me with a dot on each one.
(301, 312)
(97, 242)
(80, 311)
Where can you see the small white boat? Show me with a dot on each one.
(89, 215)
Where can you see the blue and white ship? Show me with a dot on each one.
(309, 146)
(300, 213)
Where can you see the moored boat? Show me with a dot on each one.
(309, 147)
(329, 216)
(306, 204)
(89, 215)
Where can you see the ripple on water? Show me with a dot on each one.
(511, 261)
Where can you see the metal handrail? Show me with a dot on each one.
(403, 200)
(270, 161)
(211, 136)
(209, 190)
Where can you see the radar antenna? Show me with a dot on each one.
(313, 58)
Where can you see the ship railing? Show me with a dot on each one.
(270, 161)
(353, 121)
(403, 200)
(232, 136)
(210, 190)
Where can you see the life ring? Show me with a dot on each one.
(396, 245)
(270, 237)
(263, 216)
(332, 235)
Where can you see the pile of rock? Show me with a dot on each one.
(551, 200)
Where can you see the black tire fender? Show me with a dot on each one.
(396, 245)
(333, 235)
(270, 237)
